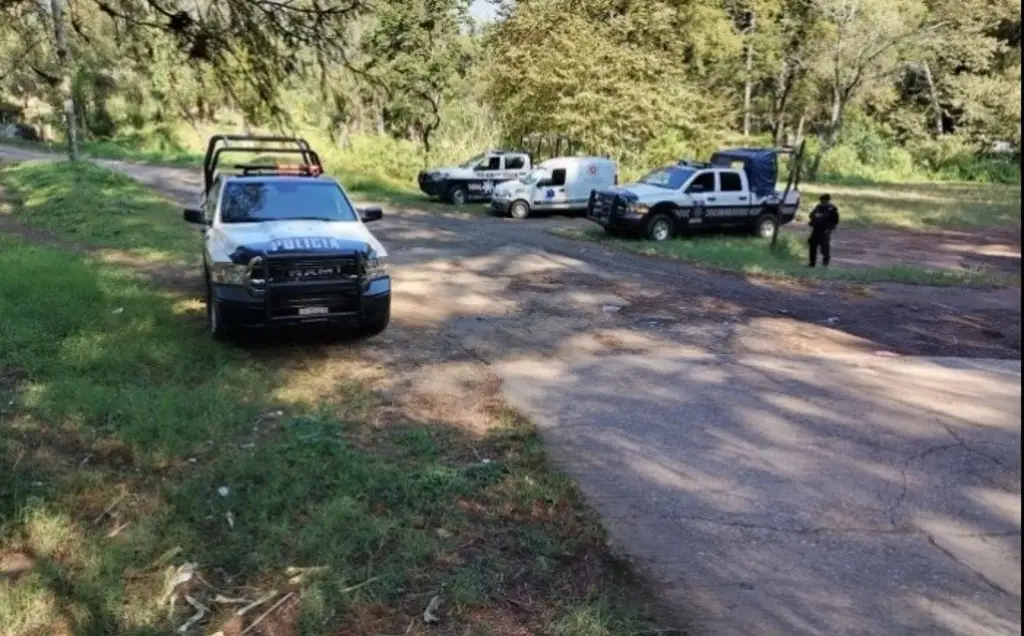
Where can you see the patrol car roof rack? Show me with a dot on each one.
(259, 144)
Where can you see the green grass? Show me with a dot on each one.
(361, 183)
(103, 208)
(754, 257)
(923, 206)
(114, 400)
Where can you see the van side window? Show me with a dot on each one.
(730, 182)
(515, 162)
(494, 163)
(558, 177)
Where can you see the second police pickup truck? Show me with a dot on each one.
(736, 190)
(475, 179)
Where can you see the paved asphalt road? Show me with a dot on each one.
(787, 496)
(778, 496)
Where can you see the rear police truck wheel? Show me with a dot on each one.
(458, 195)
(765, 225)
(519, 210)
(659, 227)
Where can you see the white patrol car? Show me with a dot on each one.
(562, 184)
(475, 179)
(283, 245)
(737, 190)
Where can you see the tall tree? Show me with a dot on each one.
(868, 41)
(417, 54)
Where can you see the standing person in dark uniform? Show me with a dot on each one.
(824, 219)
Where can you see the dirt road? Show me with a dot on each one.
(474, 296)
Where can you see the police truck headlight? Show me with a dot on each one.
(228, 273)
(376, 267)
(636, 210)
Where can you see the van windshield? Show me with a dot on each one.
(535, 176)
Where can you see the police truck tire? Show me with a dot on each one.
(457, 195)
(519, 210)
(216, 322)
(376, 327)
(765, 225)
(659, 227)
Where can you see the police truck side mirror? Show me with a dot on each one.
(194, 216)
(695, 188)
(368, 215)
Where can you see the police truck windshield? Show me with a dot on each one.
(671, 178)
(285, 200)
(471, 163)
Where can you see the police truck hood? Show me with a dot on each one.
(640, 192)
(298, 236)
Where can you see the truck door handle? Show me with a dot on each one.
(712, 199)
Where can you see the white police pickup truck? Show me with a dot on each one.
(475, 179)
(283, 244)
(736, 190)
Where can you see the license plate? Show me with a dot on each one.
(312, 311)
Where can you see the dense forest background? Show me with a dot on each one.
(881, 89)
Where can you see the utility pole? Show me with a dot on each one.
(64, 69)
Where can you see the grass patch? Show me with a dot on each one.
(99, 207)
(361, 185)
(754, 257)
(923, 206)
(132, 445)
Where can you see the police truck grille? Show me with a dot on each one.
(332, 269)
(603, 204)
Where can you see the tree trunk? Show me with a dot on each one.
(64, 63)
(748, 81)
(785, 88)
(835, 125)
(933, 95)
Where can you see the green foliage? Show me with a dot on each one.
(646, 82)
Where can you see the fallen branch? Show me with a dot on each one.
(116, 531)
(267, 613)
(109, 508)
(260, 601)
(359, 585)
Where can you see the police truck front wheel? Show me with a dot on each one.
(216, 322)
(659, 227)
(519, 210)
(765, 225)
(457, 195)
(370, 329)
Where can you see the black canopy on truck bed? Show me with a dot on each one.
(760, 164)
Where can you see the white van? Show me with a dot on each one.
(561, 184)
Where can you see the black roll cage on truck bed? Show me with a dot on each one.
(219, 144)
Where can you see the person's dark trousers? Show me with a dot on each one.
(820, 240)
